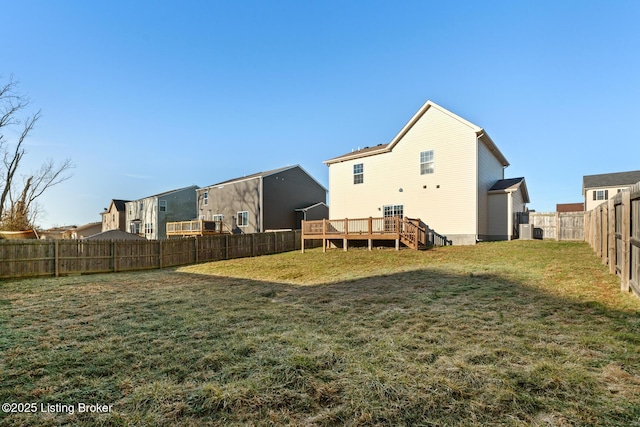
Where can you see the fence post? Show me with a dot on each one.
(275, 242)
(324, 235)
(611, 236)
(604, 241)
(159, 253)
(226, 246)
(253, 244)
(56, 258)
(114, 248)
(626, 244)
(195, 244)
(558, 226)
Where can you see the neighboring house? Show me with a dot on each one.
(314, 212)
(115, 218)
(570, 207)
(86, 230)
(262, 201)
(439, 168)
(63, 232)
(115, 235)
(148, 216)
(18, 235)
(598, 188)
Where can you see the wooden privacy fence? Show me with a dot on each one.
(27, 258)
(613, 231)
(555, 225)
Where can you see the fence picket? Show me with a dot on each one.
(613, 231)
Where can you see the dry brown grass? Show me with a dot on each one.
(513, 333)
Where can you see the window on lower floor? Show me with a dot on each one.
(148, 228)
(243, 219)
(390, 213)
(218, 217)
(134, 228)
(393, 210)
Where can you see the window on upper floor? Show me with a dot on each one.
(426, 162)
(163, 205)
(600, 194)
(205, 198)
(358, 173)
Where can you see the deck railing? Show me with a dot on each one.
(412, 232)
(196, 227)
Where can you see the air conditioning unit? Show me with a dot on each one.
(526, 231)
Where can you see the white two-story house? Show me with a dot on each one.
(597, 189)
(439, 168)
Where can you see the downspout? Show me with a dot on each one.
(510, 215)
(477, 186)
(261, 207)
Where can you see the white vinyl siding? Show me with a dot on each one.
(498, 222)
(426, 162)
(358, 173)
(596, 196)
(444, 200)
(490, 170)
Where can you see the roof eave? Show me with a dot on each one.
(356, 155)
(484, 137)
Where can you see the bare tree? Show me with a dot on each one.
(18, 207)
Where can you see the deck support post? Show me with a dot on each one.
(397, 244)
(370, 244)
(345, 244)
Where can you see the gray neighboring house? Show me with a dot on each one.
(115, 234)
(148, 216)
(596, 189)
(271, 200)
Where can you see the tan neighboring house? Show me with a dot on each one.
(115, 218)
(58, 233)
(596, 189)
(439, 168)
(86, 230)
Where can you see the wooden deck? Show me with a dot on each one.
(410, 232)
(196, 227)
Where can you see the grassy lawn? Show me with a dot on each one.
(511, 333)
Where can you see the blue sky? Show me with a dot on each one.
(149, 96)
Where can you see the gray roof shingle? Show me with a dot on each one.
(610, 179)
(503, 184)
